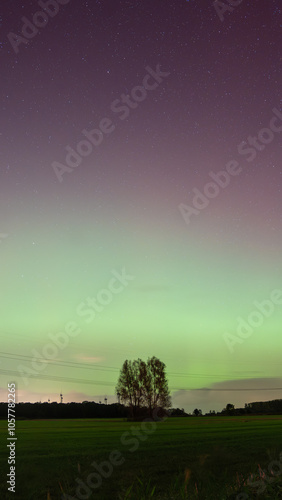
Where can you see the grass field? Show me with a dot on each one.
(206, 457)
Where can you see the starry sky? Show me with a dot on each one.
(119, 246)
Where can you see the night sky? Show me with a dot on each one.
(170, 95)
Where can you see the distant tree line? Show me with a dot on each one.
(87, 409)
(273, 407)
(90, 409)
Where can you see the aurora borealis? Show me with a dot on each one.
(68, 237)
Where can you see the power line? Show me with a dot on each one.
(61, 379)
(82, 366)
(94, 382)
(74, 344)
(73, 364)
(228, 390)
(53, 362)
(198, 375)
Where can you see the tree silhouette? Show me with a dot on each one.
(143, 385)
(197, 412)
(229, 407)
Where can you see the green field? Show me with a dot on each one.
(208, 455)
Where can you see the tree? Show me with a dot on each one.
(176, 412)
(229, 407)
(128, 386)
(143, 384)
(197, 412)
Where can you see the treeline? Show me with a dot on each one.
(87, 409)
(90, 409)
(273, 407)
